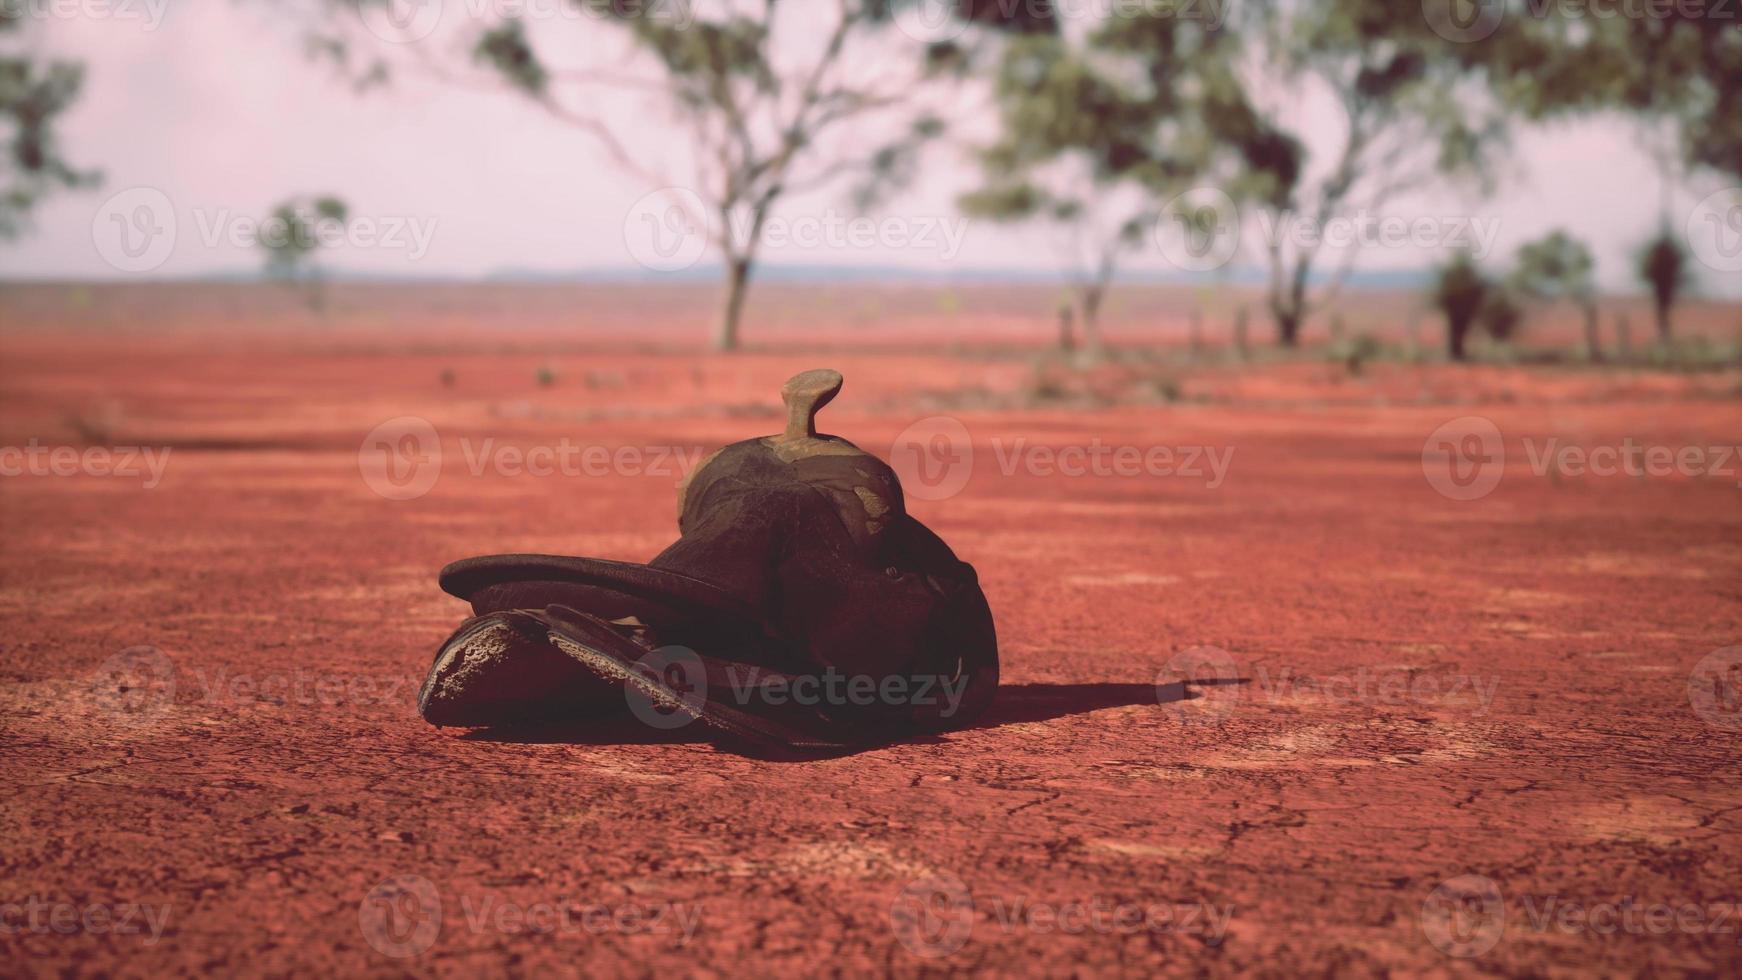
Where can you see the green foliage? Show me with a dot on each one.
(1097, 131)
(33, 95)
(291, 235)
(506, 49)
(1355, 352)
(1401, 86)
(1413, 110)
(1555, 267)
(759, 125)
(1682, 63)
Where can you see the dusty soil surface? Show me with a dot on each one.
(1298, 711)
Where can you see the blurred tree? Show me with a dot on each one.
(1414, 107)
(292, 235)
(1460, 292)
(1678, 64)
(33, 94)
(774, 98)
(1675, 67)
(1501, 312)
(1559, 267)
(1663, 267)
(1096, 132)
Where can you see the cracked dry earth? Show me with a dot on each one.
(1456, 737)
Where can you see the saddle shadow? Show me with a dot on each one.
(608, 729)
(1016, 704)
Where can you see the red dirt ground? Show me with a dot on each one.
(1459, 737)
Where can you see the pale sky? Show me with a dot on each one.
(216, 108)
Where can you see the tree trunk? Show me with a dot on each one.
(1624, 336)
(1593, 334)
(1289, 308)
(1089, 304)
(1663, 322)
(1067, 328)
(1287, 326)
(1240, 339)
(737, 284)
(1456, 331)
